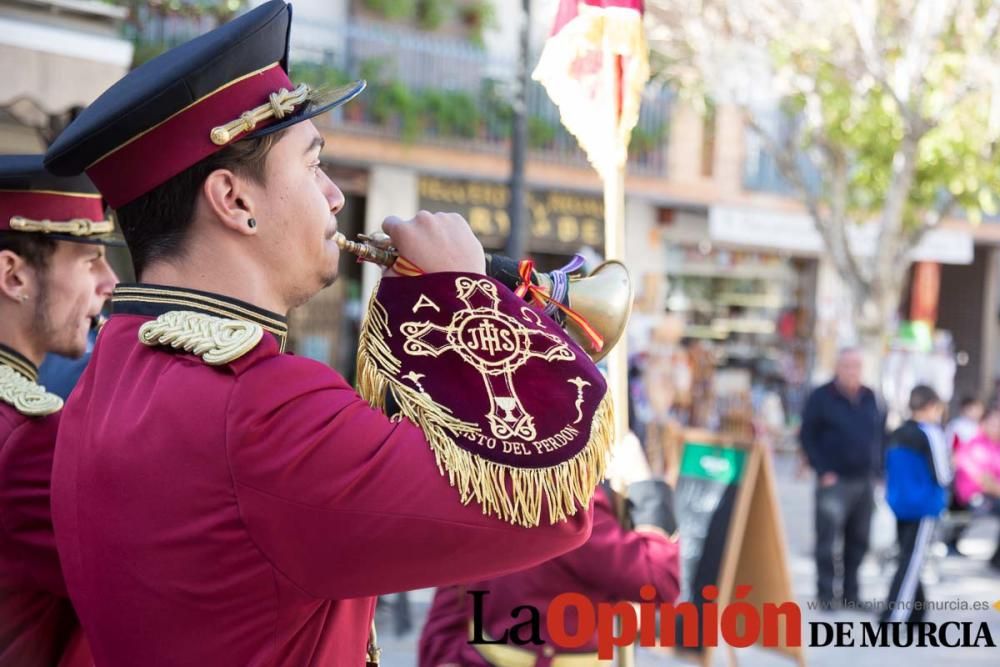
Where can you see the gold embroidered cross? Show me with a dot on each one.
(496, 345)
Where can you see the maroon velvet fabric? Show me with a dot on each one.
(613, 565)
(36, 618)
(479, 339)
(246, 515)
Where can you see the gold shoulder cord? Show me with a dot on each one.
(27, 397)
(216, 340)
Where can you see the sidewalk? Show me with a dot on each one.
(948, 578)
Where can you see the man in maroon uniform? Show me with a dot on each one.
(615, 563)
(53, 282)
(218, 502)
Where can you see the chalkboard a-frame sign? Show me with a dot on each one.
(731, 531)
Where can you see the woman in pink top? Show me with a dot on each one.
(977, 464)
(977, 472)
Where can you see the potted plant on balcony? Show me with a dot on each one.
(541, 133)
(498, 112)
(644, 142)
(478, 15)
(395, 107)
(432, 14)
(393, 10)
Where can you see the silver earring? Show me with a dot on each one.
(24, 297)
(251, 223)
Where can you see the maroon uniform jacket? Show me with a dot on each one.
(246, 513)
(37, 622)
(613, 565)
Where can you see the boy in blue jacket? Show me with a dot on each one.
(918, 473)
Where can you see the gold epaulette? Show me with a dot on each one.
(29, 398)
(217, 340)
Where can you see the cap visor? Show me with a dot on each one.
(320, 101)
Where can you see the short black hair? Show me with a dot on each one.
(923, 397)
(968, 402)
(156, 224)
(35, 249)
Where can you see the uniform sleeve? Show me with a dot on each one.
(809, 431)
(26, 462)
(939, 456)
(615, 563)
(446, 629)
(346, 503)
(881, 444)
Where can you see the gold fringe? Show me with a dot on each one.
(514, 494)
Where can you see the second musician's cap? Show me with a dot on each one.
(33, 201)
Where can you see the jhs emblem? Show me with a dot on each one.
(496, 345)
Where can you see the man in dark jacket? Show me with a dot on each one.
(841, 435)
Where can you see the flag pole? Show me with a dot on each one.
(614, 248)
(611, 32)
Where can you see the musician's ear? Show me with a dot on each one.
(230, 200)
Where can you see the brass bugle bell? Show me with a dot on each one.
(603, 299)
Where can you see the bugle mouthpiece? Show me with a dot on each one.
(365, 251)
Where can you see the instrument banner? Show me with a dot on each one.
(517, 414)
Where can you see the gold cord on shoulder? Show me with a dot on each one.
(27, 397)
(216, 340)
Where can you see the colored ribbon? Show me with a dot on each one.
(543, 299)
(405, 267)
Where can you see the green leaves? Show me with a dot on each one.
(861, 86)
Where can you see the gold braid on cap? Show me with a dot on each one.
(74, 227)
(278, 106)
(216, 340)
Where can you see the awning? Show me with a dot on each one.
(796, 234)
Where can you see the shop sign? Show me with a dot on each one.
(559, 222)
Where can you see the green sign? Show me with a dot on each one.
(712, 462)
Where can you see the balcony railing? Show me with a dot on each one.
(434, 91)
(425, 89)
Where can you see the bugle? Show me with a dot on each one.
(603, 299)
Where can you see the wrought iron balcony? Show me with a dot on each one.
(431, 90)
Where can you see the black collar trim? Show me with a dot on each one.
(155, 300)
(19, 362)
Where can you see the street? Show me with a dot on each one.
(945, 578)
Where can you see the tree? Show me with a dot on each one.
(894, 109)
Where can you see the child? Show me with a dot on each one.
(918, 474)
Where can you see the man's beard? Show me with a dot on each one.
(330, 278)
(58, 339)
(300, 298)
